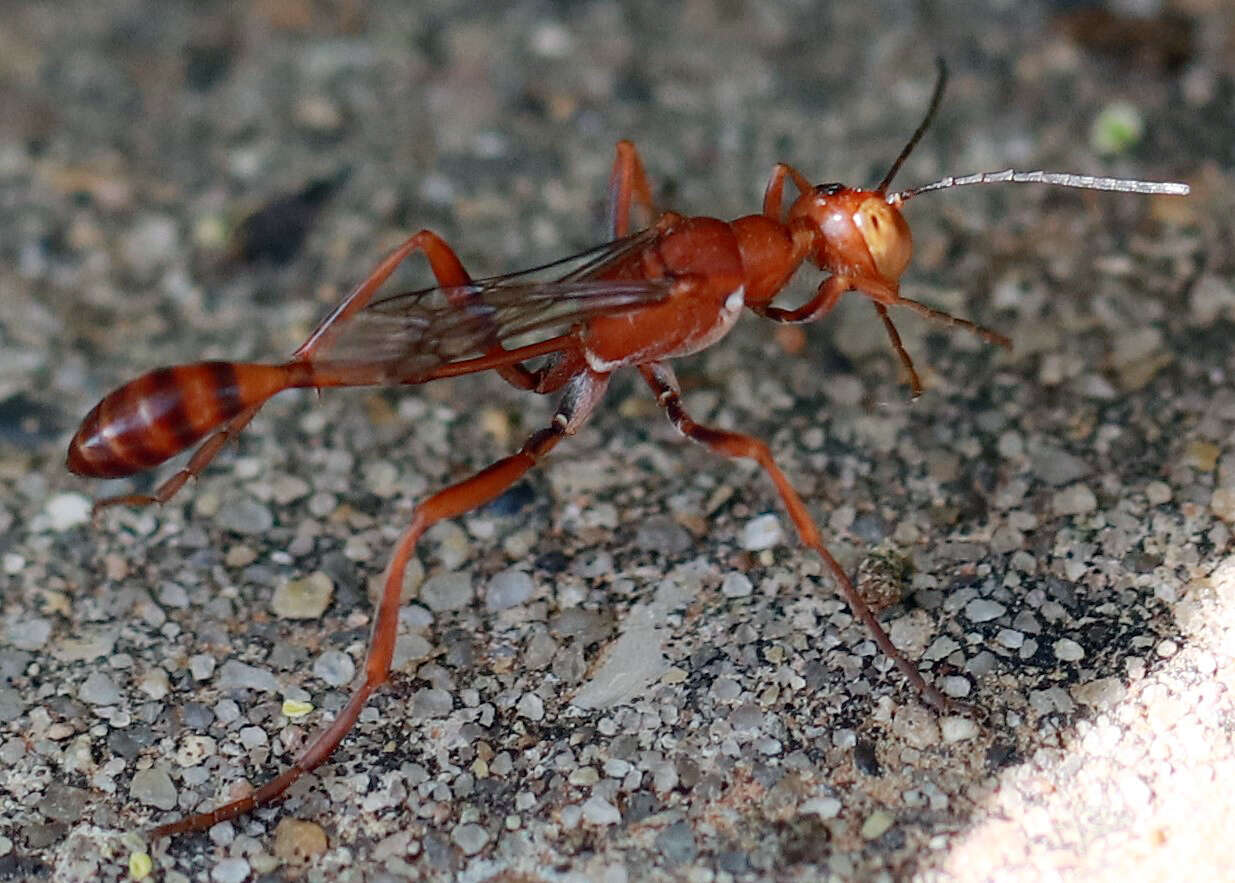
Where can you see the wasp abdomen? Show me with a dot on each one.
(165, 411)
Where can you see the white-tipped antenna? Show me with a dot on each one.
(1058, 179)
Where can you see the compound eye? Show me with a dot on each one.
(887, 237)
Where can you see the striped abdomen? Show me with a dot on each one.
(162, 413)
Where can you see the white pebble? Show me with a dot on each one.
(334, 667)
(531, 707)
(957, 729)
(230, 870)
(598, 811)
(508, 588)
(1075, 500)
(736, 585)
(984, 610)
(1067, 650)
(65, 511)
(761, 533)
(824, 807)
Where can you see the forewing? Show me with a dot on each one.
(411, 334)
(408, 335)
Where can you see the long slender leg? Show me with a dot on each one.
(443, 262)
(628, 181)
(825, 300)
(948, 319)
(660, 378)
(915, 382)
(827, 296)
(580, 399)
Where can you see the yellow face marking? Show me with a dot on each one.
(887, 236)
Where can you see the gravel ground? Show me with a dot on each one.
(625, 668)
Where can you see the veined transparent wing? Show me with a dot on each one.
(406, 336)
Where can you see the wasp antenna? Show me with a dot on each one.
(1057, 179)
(941, 81)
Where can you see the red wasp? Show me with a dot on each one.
(641, 300)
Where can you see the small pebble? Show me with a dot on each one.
(150, 244)
(201, 666)
(1222, 504)
(155, 683)
(910, 633)
(65, 511)
(173, 595)
(194, 749)
(984, 610)
(677, 843)
(140, 865)
(357, 549)
(1057, 467)
(763, 532)
(334, 667)
(253, 737)
(955, 686)
(227, 711)
(598, 811)
(1202, 455)
(662, 534)
(540, 651)
(153, 787)
(246, 516)
(453, 546)
(294, 708)
(237, 674)
(1157, 493)
(1067, 650)
(287, 489)
(508, 588)
(432, 702)
(305, 598)
(239, 555)
(736, 585)
(531, 707)
(955, 728)
(940, 648)
(29, 634)
(318, 113)
(584, 776)
(297, 842)
(380, 477)
(616, 768)
(447, 591)
(876, 824)
(634, 662)
(11, 705)
(1075, 500)
(916, 726)
(410, 648)
(1100, 692)
(222, 834)
(470, 837)
(824, 807)
(196, 716)
(99, 689)
(230, 870)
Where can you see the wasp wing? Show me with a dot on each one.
(404, 337)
